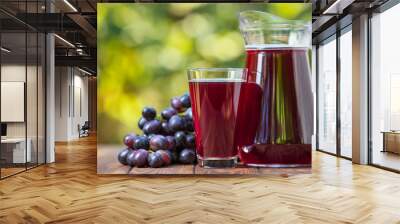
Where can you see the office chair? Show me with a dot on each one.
(84, 130)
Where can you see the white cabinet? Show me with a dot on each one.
(17, 145)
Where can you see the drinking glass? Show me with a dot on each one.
(214, 93)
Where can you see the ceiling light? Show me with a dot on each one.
(65, 41)
(80, 51)
(5, 50)
(70, 5)
(84, 71)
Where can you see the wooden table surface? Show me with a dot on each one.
(107, 163)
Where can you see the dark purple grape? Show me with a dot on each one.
(140, 158)
(174, 156)
(171, 142)
(188, 121)
(152, 127)
(190, 141)
(149, 136)
(130, 158)
(180, 139)
(122, 156)
(187, 156)
(141, 142)
(155, 160)
(185, 100)
(177, 104)
(168, 113)
(188, 113)
(141, 123)
(176, 123)
(166, 158)
(149, 113)
(189, 125)
(129, 139)
(165, 130)
(158, 142)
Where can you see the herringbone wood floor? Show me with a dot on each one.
(69, 191)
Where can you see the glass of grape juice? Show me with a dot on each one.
(214, 94)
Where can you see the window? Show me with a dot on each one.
(385, 89)
(394, 102)
(327, 97)
(346, 94)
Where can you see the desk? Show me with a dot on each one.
(15, 148)
(391, 141)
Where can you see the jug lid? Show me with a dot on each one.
(264, 30)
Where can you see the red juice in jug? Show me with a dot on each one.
(275, 115)
(214, 105)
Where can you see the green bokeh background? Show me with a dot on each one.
(145, 49)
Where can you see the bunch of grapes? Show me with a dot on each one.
(166, 139)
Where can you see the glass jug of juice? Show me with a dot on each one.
(275, 114)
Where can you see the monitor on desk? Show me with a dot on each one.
(3, 130)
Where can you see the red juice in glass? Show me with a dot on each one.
(215, 101)
(275, 115)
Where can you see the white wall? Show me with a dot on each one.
(80, 110)
(61, 103)
(71, 94)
